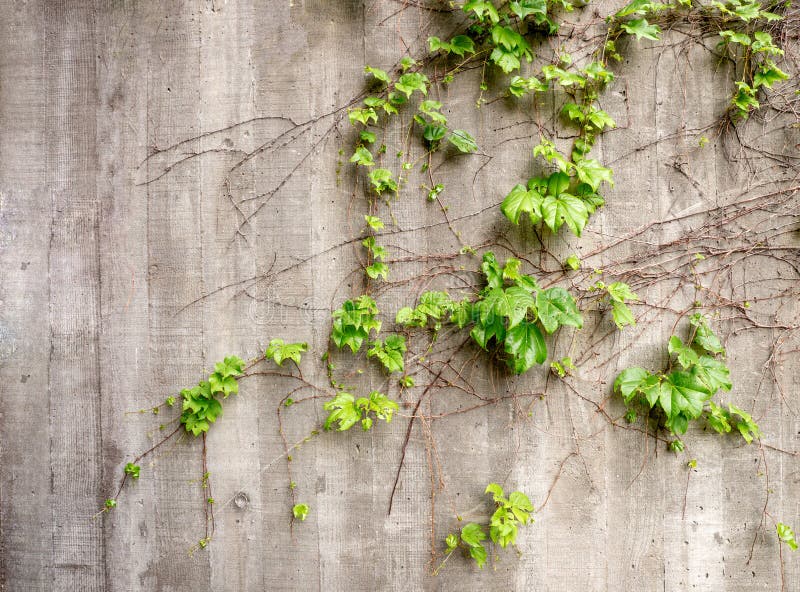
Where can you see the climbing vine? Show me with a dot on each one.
(516, 312)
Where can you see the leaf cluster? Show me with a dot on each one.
(201, 405)
(511, 313)
(353, 322)
(684, 394)
(556, 200)
(345, 410)
(510, 513)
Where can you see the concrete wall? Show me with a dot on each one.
(160, 163)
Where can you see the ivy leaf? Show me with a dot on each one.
(713, 373)
(786, 534)
(591, 172)
(362, 115)
(521, 506)
(555, 307)
(745, 424)
(482, 8)
(642, 29)
(377, 269)
(478, 553)
(483, 333)
(687, 395)
(434, 304)
(573, 262)
(768, 74)
(411, 81)
(526, 346)
(463, 141)
(496, 491)
(704, 337)
(521, 200)
(622, 314)
(565, 208)
(374, 222)
(378, 74)
(620, 292)
(461, 44)
(300, 511)
(132, 470)
(472, 535)
(507, 61)
(382, 180)
(389, 352)
(492, 270)
(635, 7)
(363, 157)
(521, 302)
(629, 381)
(718, 418)
(523, 8)
(379, 404)
(280, 351)
(343, 411)
(686, 355)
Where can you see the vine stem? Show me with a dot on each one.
(143, 455)
(411, 425)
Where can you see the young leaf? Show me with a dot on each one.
(377, 270)
(704, 337)
(389, 352)
(132, 470)
(374, 222)
(300, 511)
(786, 534)
(378, 74)
(280, 351)
(363, 157)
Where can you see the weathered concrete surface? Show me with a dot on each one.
(118, 224)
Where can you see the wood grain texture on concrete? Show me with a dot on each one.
(174, 188)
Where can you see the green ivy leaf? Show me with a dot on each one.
(379, 74)
(687, 357)
(524, 8)
(280, 351)
(463, 141)
(132, 470)
(630, 381)
(389, 352)
(472, 534)
(745, 424)
(713, 373)
(768, 74)
(786, 534)
(642, 29)
(300, 511)
(591, 172)
(363, 157)
(704, 337)
(622, 314)
(377, 270)
(382, 180)
(522, 201)
(482, 9)
(526, 346)
(556, 307)
(564, 208)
